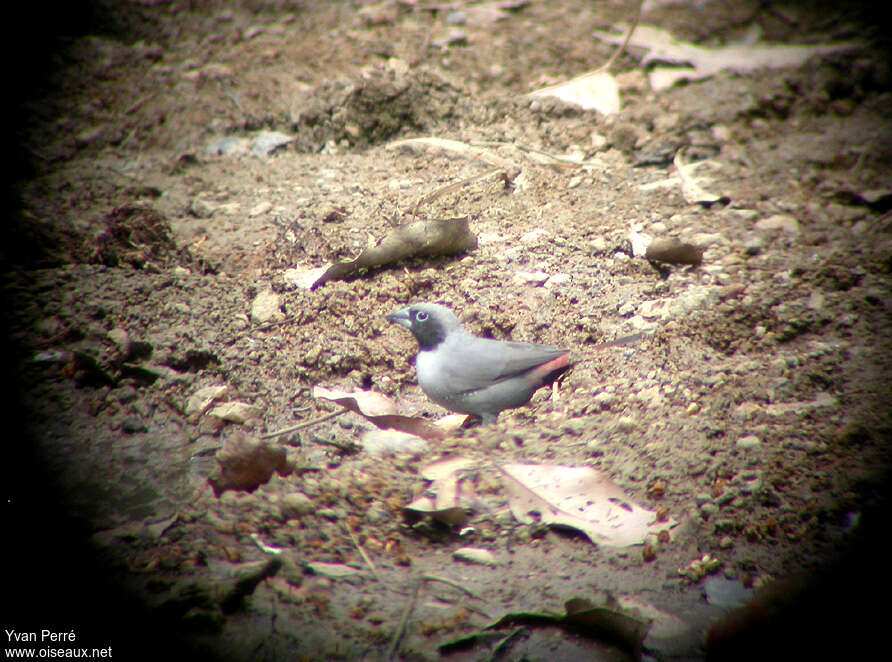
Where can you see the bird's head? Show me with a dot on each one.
(430, 323)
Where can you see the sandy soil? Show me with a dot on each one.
(754, 411)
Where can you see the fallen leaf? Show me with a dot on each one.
(595, 622)
(446, 467)
(704, 62)
(381, 411)
(690, 189)
(580, 498)
(429, 237)
(446, 501)
(596, 90)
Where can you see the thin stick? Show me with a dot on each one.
(621, 49)
(449, 582)
(304, 425)
(401, 628)
(365, 557)
(430, 197)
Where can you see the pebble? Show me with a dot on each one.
(531, 277)
(121, 339)
(475, 555)
(784, 222)
(132, 425)
(201, 208)
(199, 401)
(236, 412)
(295, 505)
(749, 441)
(753, 245)
(267, 307)
(268, 142)
(260, 208)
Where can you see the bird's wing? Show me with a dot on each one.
(479, 362)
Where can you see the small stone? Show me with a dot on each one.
(557, 279)
(260, 208)
(475, 555)
(236, 412)
(121, 339)
(267, 307)
(692, 408)
(531, 277)
(753, 245)
(726, 542)
(749, 441)
(784, 222)
(199, 401)
(332, 514)
(132, 425)
(295, 505)
(201, 208)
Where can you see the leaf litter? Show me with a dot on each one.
(579, 498)
(420, 238)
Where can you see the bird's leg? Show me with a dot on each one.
(488, 419)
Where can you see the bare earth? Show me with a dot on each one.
(754, 411)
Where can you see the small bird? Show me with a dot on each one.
(472, 375)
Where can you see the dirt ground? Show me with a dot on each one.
(754, 410)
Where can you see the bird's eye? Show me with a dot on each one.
(420, 316)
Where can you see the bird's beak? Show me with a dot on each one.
(401, 317)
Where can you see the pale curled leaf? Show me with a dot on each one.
(433, 237)
(690, 189)
(381, 411)
(705, 62)
(595, 90)
(445, 500)
(446, 467)
(579, 498)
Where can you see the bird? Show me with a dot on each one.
(473, 375)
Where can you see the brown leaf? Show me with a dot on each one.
(381, 411)
(431, 237)
(581, 498)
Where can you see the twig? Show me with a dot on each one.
(365, 557)
(621, 49)
(449, 582)
(401, 628)
(430, 197)
(301, 426)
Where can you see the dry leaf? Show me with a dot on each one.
(705, 62)
(692, 191)
(596, 90)
(450, 495)
(595, 622)
(445, 500)
(581, 498)
(381, 411)
(436, 237)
